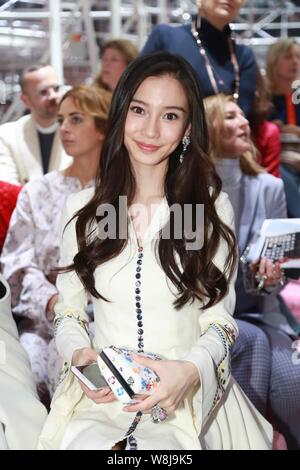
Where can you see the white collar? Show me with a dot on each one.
(47, 130)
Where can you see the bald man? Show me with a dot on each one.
(30, 146)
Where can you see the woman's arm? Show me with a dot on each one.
(276, 201)
(275, 204)
(247, 67)
(30, 288)
(211, 352)
(71, 320)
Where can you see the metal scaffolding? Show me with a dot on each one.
(69, 33)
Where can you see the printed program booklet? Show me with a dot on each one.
(279, 240)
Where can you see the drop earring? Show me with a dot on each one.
(185, 143)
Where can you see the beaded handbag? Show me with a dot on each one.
(127, 378)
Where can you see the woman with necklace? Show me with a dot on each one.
(208, 44)
(154, 290)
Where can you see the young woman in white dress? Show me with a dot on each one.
(170, 295)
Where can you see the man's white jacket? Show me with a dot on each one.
(20, 153)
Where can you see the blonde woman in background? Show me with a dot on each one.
(255, 196)
(283, 68)
(115, 57)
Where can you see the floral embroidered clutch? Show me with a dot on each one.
(126, 377)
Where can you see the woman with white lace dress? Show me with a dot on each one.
(31, 249)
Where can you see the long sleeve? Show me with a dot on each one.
(211, 352)
(30, 288)
(71, 319)
(247, 64)
(276, 209)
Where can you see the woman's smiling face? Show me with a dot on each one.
(156, 120)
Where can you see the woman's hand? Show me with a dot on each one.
(88, 356)
(176, 380)
(84, 356)
(268, 270)
(103, 395)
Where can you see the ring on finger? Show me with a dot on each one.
(261, 279)
(158, 414)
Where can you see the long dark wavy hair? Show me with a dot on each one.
(192, 182)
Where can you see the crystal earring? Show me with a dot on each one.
(185, 143)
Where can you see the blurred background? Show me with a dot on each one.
(69, 33)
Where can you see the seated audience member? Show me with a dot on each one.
(30, 146)
(255, 196)
(208, 44)
(283, 68)
(265, 134)
(150, 292)
(8, 198)
(116, 55)
(31, 249)
(22, 415)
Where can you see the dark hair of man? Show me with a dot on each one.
(29, 69)
(192, 182)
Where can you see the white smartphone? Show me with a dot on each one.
(90, 375)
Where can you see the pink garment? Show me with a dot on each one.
(8, 198)
(267, 141)
(291, 296)
(279, 442)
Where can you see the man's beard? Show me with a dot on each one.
(51, 111)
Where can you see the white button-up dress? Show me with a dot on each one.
(216, 415)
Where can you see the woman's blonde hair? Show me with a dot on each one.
(275, 52)
(93, 101)
(128, 50)
(215, 117)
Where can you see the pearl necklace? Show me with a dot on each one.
(210, 72)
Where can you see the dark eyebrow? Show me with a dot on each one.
(179, 108)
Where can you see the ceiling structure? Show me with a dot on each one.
(72, 31)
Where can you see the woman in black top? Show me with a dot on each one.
(208, 44)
